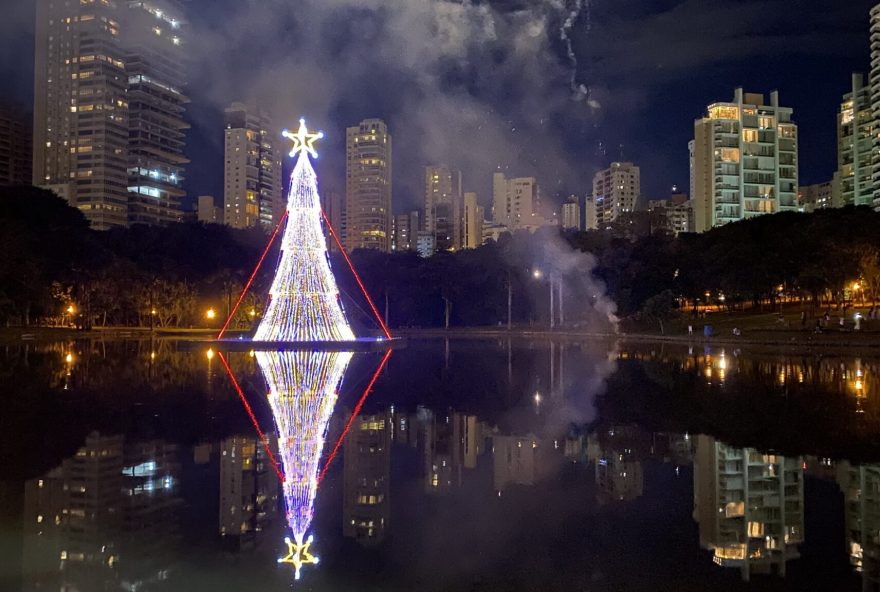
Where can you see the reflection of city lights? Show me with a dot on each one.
(722, 363)
(152, 355)
(858, 385)
(537, 397)
(68, 358)
(209, 354)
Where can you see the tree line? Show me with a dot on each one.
(55, 269)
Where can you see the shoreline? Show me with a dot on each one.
(767, 338)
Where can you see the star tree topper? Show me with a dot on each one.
(298, 554)
(303, 141)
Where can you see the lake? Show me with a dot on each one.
(470, 464)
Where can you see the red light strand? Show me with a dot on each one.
(247, 286)
(253, 417)
(354, 414)
(356, 276)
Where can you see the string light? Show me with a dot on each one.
(304, 302)
(303, 388)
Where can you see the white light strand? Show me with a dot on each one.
(303, 388)
(304, 303)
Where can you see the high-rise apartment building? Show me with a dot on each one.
(108, 108)
(252, 169)
(615, 192)
(874, 80)
(406, 229)
(154, 64)
(571, 214)
(745, 160)
(472, 227)
(514, 201)
(591, 215)
(368, 186)
(16, 151)
(443, 206)
(749, 506)
(855, 136)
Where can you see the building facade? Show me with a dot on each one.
(252, 169)
(368, 186)
(16, 150)
(207, 210)
(472, 224)
(819, 196)
(443, 206)
(367, 479)
(745, 160)
(749, 506)
(615, 192)
(108, 109)
(874, 80)
(571, 214)
(154, 65)
(514, 201)
(406, 228)
(855, 136)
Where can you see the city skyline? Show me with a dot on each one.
(719, 71)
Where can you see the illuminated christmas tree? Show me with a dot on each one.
(303, 388)
(304, 300)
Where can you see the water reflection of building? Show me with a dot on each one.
(617, 454)
(749, 506)
(450, 443)
(248, 491)
(108, 514)
(367, 479)
(861, 494)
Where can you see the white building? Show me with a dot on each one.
(472, 227)
(515, 201)
(615, 192)
(571, 214)
(591, 215)
(745, 160)
(855, 136)
(252, 169)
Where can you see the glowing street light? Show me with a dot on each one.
(537, 274)
(71, 309)
(209, 354)
(69, 358)
(210, 314)
(253, 312)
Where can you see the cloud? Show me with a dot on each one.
(470, 84)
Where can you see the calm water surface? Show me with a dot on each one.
(471, 465)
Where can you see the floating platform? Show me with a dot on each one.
(244, 344)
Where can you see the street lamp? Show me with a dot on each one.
(210, 314)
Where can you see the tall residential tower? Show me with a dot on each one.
(368, 186)
(252, 169)
(615, 192)
(108, 106)
(745, 160)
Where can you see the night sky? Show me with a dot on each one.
(486, 84)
